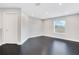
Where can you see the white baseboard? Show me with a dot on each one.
(22, 42)
(70, 39)
(50, 36)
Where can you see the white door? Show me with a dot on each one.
(10, 27)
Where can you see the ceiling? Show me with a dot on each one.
(44, 10)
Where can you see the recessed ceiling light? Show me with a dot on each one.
(59, 4)
(32, 14)
(47, 13)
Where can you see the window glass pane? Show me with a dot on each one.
(59, 25)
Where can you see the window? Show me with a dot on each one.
(59, 26)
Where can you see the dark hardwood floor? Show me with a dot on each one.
(43, 45)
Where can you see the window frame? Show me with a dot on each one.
(64, 26)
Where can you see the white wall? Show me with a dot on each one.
(0, 27)
(30, 27)
(1, 15)
(72, 28)
(0, 36)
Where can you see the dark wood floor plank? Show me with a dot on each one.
(10, 49)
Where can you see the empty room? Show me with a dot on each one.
(39, 28)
